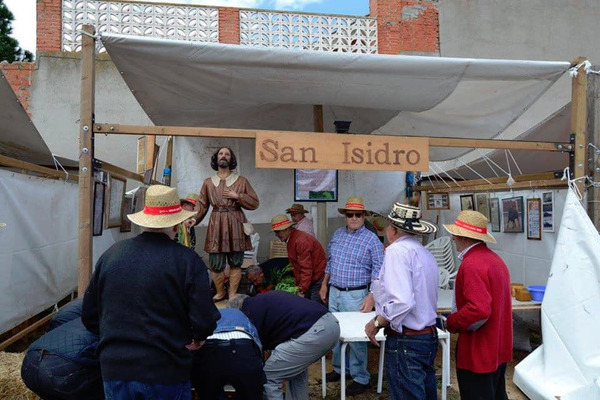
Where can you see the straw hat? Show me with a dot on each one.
(471, 224)
(162, 209)
(280, 222)
(354, 204)
(191, 198)
(408, 219)
(296, 209)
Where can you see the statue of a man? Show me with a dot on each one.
(228, 193)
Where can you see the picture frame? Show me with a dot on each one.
(495, 214)
(548, 211)
(482, 204)
(467, 202)
(114, 201)
(438, 201)
(98, 210)
(512, 215)
(534, 219)
(127, 209)
(316, 185)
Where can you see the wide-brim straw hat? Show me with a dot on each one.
(162, 209)
(191, 198)
(296, 209)
(471, 224)
(408, 219)
(354, 204)
(280, 222)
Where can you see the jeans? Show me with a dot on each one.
(410, 366)
(356, 362)
(133, 390)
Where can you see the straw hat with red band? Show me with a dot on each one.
(354, 204)
(280, 222)
(162, 209)
(296, 209)
(192, 198)
(471, 224)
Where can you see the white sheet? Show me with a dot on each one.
(201, 84)
(567, 364)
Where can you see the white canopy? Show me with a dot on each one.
(214, 85)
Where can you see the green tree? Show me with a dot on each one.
(9, 47)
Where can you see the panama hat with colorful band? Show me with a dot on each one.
(471, 224)
(408, 219)
(354, 204)
(280, 222)
(192, 198)
(162, 209)
(296, 209)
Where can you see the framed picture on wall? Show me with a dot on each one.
(114, 201)
(495, 214)
(512, 214)
(127, 209)
(467, 202)
(438, 201)
(482, 204)
(315, 185)
(534, 219)
(548, 211)
(98, 221)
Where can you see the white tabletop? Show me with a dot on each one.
(445, 301)
(352, 326)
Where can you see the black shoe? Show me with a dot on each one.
(356, 388)
(333, 376)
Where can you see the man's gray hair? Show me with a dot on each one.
(237, 301)
(253, 269)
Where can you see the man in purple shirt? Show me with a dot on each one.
(302, 223)
(406, 306)
(355, 258)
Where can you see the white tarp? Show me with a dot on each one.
(182, 83)
(567, 365)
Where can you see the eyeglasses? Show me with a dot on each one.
(356, 214)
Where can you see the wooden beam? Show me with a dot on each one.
(29, 167)
(86, 143)
(321, 205)
(25, 331)
(251, 134)
(593, 106)
(579, 123)
(439, 186)
(150, 151)
(169, 155)
(108, 167)
(497, 187)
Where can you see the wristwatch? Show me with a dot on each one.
(376, 323)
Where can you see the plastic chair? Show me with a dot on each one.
(251, 254)
(444, 277)
(442, 250)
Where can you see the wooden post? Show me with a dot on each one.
(86, 152)
(579, 124)
(321, 205)
(593, 109)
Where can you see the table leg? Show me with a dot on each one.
(343, 370)
(324, 375)
(381, 358)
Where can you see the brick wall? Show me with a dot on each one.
(18, 75)
(229, 25)
(49, 25)
(406, 26)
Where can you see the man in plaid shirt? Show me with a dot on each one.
(355, 258)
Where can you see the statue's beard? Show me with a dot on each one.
(223, 163)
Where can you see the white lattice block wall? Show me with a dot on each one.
(166, 21)
(308, 31)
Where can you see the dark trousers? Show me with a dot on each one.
(410, 366)
(489, 386)
(54, 378)
(237, 362)
(313, 292)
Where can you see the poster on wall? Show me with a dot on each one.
(512, 214)
(534, 219)
(482, 204)
(315, 185)
(438, 201)
(466, 202)
(495, 214)
(548, 211)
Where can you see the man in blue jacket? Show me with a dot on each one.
(231, 355)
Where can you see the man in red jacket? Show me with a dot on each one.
(305, 254)
(483, 312)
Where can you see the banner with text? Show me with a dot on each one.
(341, 151)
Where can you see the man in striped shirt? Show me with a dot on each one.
(355, 258)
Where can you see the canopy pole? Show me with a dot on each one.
(579, 124)
(321, 205)
(86, 155)
(593, 108)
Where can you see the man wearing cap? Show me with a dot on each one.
(302, 223)
(186, 234)
(406, 306)
(149, 301)
(355, 258)
(226, 241)
(483, 314)
(305, 254)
